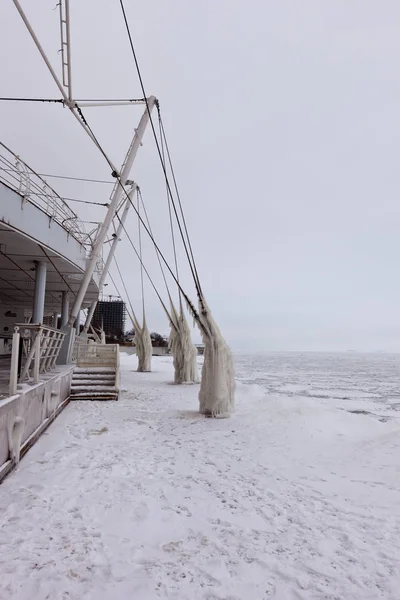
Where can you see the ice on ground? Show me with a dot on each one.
(291, 498)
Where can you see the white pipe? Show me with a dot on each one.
(110, 257)
(64, 307)
(110, 103)
(39, 292)
(115, 198)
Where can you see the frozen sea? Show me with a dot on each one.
(352, 381)
(296, 497)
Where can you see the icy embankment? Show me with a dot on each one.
(145, 498)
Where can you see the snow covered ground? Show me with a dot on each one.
(292, 498)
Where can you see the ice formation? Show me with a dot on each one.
(15, 438)
(182, 349)
(217, 389)
(144, 348)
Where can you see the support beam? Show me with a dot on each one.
(77, 323)
(110, 103)
(64, 308)
(14, 362)
(116, 196)
(40, 292)
(110, 257)
(55, 319)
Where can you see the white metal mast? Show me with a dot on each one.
(110, 256)
(65, 45)
(74, 106)
(69, 102)
(118, 193)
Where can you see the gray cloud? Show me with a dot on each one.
(284, 125)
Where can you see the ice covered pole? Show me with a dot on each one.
(182, 349)
(144, 347)
(217, 389)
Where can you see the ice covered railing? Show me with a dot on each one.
(18, 176)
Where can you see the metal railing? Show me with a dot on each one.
(18, 176)
(77, 342)
(97, 355)
(40, 348)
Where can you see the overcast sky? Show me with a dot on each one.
(283, 121)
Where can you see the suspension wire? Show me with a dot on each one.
(10, 297)
(66, 101)
(11, 171)
(170, 219)
(58, 100)
(141, 256)
(173, 324)
(144, 268)
(192, 266)
(187, 299)
(79, 115)
(75, 199)
(170, 215)
(132, 318)
(158, 258)
(15, 287)
(76, 178)
(124, 286)
(24, 271)
(86, 202)
(118, 177)
(177, 192)
(157, 254)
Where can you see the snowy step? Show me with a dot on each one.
(77, 389)
(92, 383)
(93, 376)
(94, 396)
(93, 370)
(97, 378)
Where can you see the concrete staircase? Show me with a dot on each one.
(96, 375)
(94, 383)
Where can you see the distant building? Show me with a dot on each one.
(110, 316)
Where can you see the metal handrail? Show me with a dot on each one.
(42, 347)
(21, 178)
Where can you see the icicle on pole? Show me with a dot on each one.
(182, 349)
(144, 349)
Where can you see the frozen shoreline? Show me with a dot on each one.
(144, 498)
